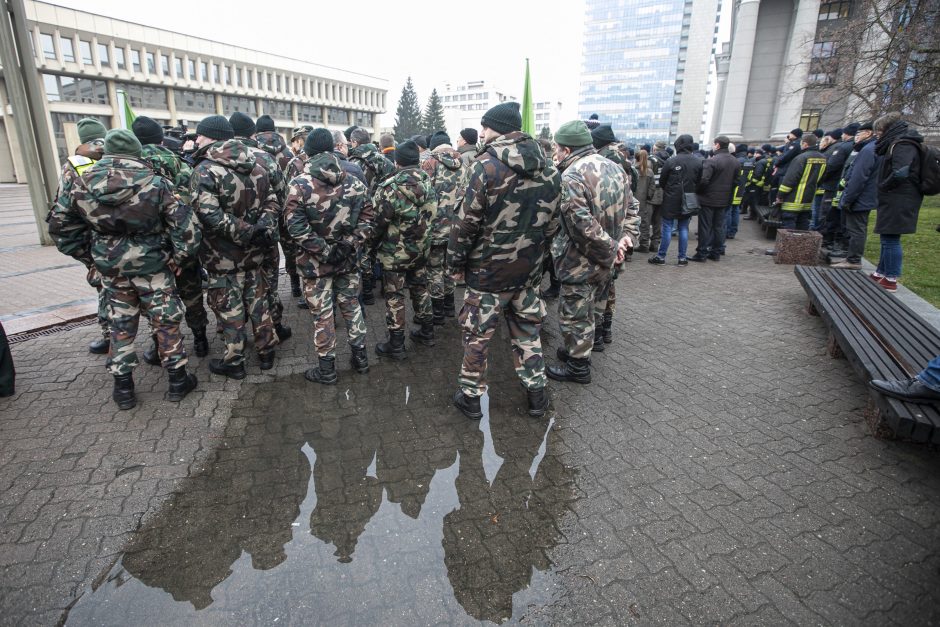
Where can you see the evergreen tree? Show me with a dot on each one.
(408, 115)
(546, 133)
(433, 119)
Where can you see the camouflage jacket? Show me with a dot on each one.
(617, 153)
(231, 193)
(325, 205)
(136, 221)
(595, 209)
(467, 153)
(295, 166)
(445, 169)
(507, 214)
(275, 173)
(64, 221)
(165, 163)
(272, 143)
(405, 205)
(376, 166)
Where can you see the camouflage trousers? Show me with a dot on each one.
(576, 317)
(320, 294)
(235, 299)
(366, 264)
(290, 256)
(605, 301)
(156, 295)
(270, 267)
(189, 286)
(524, 311)
(393, 284)
(441, 283)
(94, 279)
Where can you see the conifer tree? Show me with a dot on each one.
(408, 115)
(433, 118)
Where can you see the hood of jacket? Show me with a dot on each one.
(685, 143)
(115, 180)
(231, 153)
(519, 152)
(446, 156)
(325, 167)
(407, 182)
(271, 142)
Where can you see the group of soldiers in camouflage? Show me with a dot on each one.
(154, 232)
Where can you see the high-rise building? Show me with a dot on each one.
(465, 103)
(645, 66)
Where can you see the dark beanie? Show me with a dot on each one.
(767, 148)
(215, 127)
(851, 129)
(835, 134)
(242, 124)
(866, 126)
(603, 135)
(503, 118)
(421, 140)
(349, 131)
(438, 139)
(740, 147)
(265, 123)
(469, 135)
(819, 133)
(406, 153)
(797, 132)
(318, 140)
(147, 130)
(121, 142)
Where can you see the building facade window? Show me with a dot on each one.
(215, 73)
(361, 118)
(103, 58)
(204, 71)
(337, 116)
(821, 79)
(72, 89)
(309, 113)
(809, 119)
(250, 78)
(226, 75)
(192, 70)
(151, 63)
(165, 64)
(68, 50)
(278, 109)
(119, 61)
(144, 96)
(835, 9)
(84, 48)
(824, 49)
(196, 101)
(48, 46)
(178, 67)
(135, 60)
(231, 104)
(238, 76)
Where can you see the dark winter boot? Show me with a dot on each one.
(181, 384)
(283, 331)
(608, 328)
(100, 346)
(359, 359)
(295, 285)
(152, 355)
(200, 342)
(449, 308)
(123, 393)
(598, 346)
(324, 373)
(469, 405)
(266, 360)
(574, 370)
(394, 347)
(368, 285)
(437, 306)
(217, 366)
(538, 401)
(426, 335)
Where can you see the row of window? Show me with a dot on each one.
(204, 71)
(464, 97)
(834, 9)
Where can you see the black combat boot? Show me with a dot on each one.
(359, 359)
(449, 309)
(394, 347)
(562, 354)
(368, 284)
(598, 340)
(574, 370)
(101, 346)
(469, 405)
(437, 307)
(267, 360)
(283, 331)
(217, 366)
(608, 328)
(426, 335)
(324, 373)
(200, 342)
(123, 393)
(295, 285)
(181, 384)
(538, 401)
(152, 355)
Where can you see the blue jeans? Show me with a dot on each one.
(668, 226)
(931, 374)
(732, 221)
(889, 263)
(814, 221)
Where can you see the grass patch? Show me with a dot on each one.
(921, 271)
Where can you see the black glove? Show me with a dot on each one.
(340, 252)
(260, 237)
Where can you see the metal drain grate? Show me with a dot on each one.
(16, 338)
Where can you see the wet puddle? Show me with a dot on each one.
(371, 502)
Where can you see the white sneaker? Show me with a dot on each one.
(846, 265)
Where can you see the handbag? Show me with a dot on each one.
(690, 206)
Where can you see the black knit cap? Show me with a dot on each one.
(215, 127)
(318, 140)
(406, 153)
(603, 135)
(469, 135)
(349, 131)
(503, 118)
(438, 139)
(835, 133)
(819, 133)
(797, 132)
(147, 130)
(265, 123)
(421, 140)
(851, 129)
(242, 124)
(767, 148)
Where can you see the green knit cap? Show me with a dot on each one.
(121, 142)
(90, 129)
(573, 134)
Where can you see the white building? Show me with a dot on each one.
(548, 114)
(465, 103)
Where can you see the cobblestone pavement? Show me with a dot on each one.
(717, 470)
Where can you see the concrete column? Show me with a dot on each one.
(795, 69)
(171, 105)
(722, 64)
(739, 70)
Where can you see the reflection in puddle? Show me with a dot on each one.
(338, 505)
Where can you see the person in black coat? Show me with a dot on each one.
(7, 372)
(719, 175)
(899, 195)
(680, 174)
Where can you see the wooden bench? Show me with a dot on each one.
(765, 218)
(882, 338)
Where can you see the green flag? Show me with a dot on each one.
(127, 114)
(528, 107)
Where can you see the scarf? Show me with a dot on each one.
(890, 135)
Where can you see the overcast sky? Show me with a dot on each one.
(435, 42)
